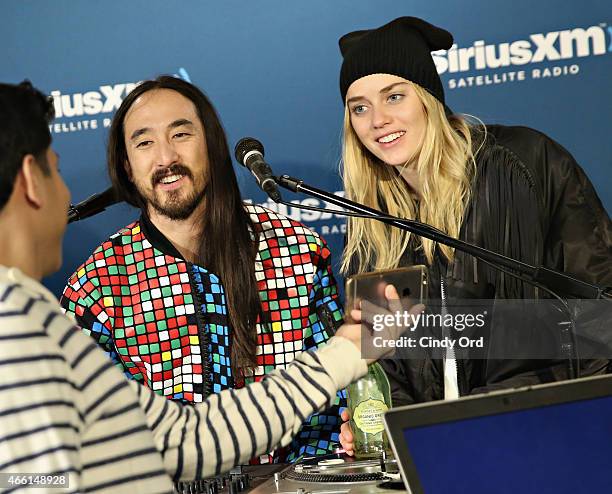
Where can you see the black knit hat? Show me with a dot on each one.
(402, 47)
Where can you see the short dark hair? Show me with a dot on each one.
(25, 115)
(227, 248)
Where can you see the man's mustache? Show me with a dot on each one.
(174, 169)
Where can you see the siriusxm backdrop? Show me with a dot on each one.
(271, 68)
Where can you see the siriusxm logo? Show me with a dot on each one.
(552, 46)
(336, 227)
(105, 99)
(303, 215)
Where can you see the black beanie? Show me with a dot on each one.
(402, 47)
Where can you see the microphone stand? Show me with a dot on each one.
(550, 279)
(74, 213)
(93, 205)
(553, 280)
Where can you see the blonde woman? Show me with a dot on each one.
(512, 190)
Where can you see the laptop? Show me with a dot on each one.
(552, 438)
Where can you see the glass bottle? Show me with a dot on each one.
(368, 398)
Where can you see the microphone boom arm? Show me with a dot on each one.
(92, 205)
(549, 278)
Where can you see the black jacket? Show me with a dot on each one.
(530, 201)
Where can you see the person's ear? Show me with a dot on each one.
(31, 177)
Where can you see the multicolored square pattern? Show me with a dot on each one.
(164, 321)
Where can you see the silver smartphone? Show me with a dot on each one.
(410, 283)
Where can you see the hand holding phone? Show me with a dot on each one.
(410, 283)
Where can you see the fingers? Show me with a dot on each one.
(417, 309)
(394, 306)
(391, 292)
(382, 324)
(393, 300)
(346, 431)
(345, 415)
(367, 312)
(346, 439)
(349, 331)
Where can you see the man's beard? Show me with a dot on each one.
(174, 207)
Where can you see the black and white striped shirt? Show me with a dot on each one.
(64, 408)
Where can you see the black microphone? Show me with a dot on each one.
(92, 205)
(249, 152)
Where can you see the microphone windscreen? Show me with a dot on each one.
(246, 145)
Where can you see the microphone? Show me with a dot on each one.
(92, 205)
(249, 152)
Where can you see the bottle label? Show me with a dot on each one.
(368, 416)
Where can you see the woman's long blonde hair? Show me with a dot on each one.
(445, 168)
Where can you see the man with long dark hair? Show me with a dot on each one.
(202, 293)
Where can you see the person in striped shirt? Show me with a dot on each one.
(65, 409)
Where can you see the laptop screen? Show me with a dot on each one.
(519, 451)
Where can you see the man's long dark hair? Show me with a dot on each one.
(226, 248)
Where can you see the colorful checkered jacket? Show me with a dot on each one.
(164, 321)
